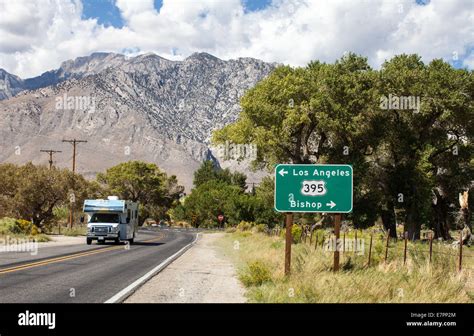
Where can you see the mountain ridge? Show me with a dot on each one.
(145, 107)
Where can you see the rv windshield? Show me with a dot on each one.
(104, 218)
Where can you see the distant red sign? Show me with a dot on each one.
(220, 218)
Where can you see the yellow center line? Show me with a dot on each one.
(69, 257)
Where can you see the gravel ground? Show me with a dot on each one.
(198, 276)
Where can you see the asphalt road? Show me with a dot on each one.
(85, 273)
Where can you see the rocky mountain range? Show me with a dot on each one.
(140, 108)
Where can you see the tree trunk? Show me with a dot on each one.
(440, 221)
(412, 226)
(389, 219)
(412, 222)
(466, 215)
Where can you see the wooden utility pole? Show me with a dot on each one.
(289, 241)
(74, 142)
(50, 152)
(337, 229)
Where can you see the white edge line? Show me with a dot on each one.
(130, 289)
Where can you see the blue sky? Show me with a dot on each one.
(104, 11)
(37, 38)
(108, 14)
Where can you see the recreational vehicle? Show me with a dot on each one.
(111, 219)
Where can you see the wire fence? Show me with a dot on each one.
(388, 249)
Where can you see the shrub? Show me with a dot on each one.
(6, 225)
(260, 228)
(296, 233)
(208, 224)
(245, 226)
(22, 226)
(18, 226)
(255, 274)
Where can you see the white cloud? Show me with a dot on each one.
(37, 35)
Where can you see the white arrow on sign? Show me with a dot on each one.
(283, 172)
(331, 204)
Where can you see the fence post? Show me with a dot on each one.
(405, 249)
(460, 251)
(344, 242)
(431, 245)
(370, 248)
(316, 241)
(386, 245)
(355, 241)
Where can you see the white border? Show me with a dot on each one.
(312, 165)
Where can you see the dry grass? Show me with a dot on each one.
(259, 259)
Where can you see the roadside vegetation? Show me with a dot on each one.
(219, 191)
(35, 200)
(259, 259)
(410, 161)
(20, 229)
(413, 166)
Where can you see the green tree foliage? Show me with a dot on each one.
(32, 192)
(264, 196)
(332, 113)
(220, 191)
(425, 152)
(144, 183)
(210, 199)
(209, 172)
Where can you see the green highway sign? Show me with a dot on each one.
(313, 188)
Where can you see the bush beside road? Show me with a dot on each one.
(259, 259)
(21, 229)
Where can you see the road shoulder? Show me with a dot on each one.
(201, 275)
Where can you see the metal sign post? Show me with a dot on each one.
(288, 242)
(337, 229)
